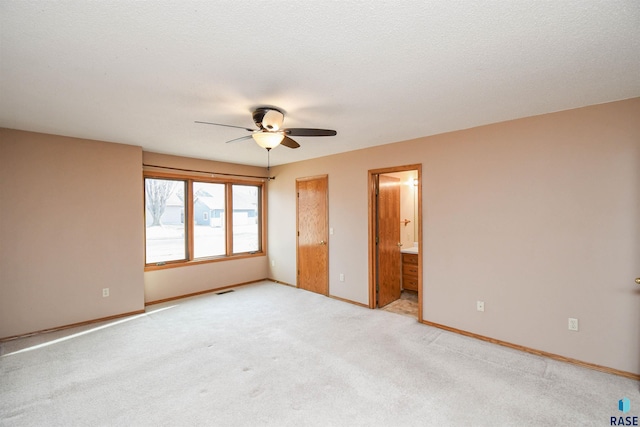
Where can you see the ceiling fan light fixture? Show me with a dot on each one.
(268, 140)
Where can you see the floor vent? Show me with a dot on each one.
(224, 292)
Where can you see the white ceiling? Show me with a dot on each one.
(376, 71)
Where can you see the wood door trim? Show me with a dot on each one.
(394, 169)
(311, 178)
(372, 173)
(373, 213)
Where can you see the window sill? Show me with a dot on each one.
(175, 264)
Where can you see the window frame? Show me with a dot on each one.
(189, 179)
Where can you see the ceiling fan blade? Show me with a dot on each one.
(239, 139)
(309, 132)
(288, 142)
(229, 126)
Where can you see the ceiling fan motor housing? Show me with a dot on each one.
(269, 119)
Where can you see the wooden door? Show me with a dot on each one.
(312, 242)
(388, 234)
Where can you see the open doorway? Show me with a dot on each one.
(395, 239)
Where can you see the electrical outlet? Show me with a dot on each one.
(480, 305)
(573, 324)
(105, 292)
(273, 263)
(342, 277)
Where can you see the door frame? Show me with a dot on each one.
(373, 213)
(324, 177)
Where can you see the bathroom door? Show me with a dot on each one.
(388, 237)
(312, 240)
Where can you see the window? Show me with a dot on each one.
(208, 235)
(190, 219)
(246, 233)
(165, 225)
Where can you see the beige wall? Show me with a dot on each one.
(173, 282)
(537, 217)
(70, 225)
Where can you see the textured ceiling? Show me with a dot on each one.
(376, 71)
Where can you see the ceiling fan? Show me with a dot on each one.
(270, 132)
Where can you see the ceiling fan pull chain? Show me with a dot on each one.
(268, 161)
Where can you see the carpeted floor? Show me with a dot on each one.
(273, 355)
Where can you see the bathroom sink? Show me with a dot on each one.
(410, 250)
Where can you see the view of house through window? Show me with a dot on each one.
(208, 219)
(188, 219)
(246, 233)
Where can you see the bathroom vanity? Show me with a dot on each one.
(410, 269)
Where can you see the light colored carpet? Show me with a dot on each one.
(273, 355)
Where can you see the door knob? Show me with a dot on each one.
(399, 244)
(638, 280)
(322, 242)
